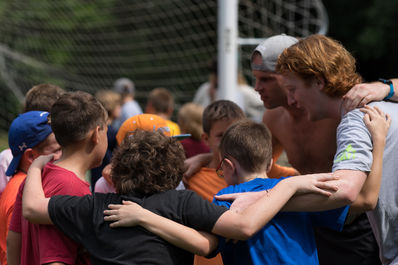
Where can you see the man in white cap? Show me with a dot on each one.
(126, 88)
(310, 147)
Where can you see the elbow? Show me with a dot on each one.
(205, 247)
(246, 231)
(369, 205)
(348, 193)
(28, 212)
(365, 204)
(203, 252)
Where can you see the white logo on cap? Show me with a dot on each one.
(43, 113)
(22, 147)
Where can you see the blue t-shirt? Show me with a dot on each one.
(287, 239)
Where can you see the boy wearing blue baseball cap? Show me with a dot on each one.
(29, 136)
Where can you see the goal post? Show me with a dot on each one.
(227, 49)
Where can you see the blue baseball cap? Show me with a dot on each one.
(26, 131)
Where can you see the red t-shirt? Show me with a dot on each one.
(45, 243)
(193, 147)
(6, 208)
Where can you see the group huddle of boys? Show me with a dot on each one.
(146, 169)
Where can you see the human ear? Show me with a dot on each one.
(229, 165)
(205, 138)
(320, 82)
(30, 155)
(270, 165)
(96, 135)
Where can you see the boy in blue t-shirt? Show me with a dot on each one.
(288, 238)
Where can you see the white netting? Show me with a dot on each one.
(86, 45)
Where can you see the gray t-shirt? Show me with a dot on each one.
(354, 152)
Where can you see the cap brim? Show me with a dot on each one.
(13, 165)
(180, 137)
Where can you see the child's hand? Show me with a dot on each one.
(314, 183)
(377, 122)
(41, 161)
(128, 214)
(241, 200)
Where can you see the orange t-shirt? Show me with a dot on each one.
(206, 184)
(7, 201)
(278, 171)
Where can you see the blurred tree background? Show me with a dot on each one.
(369, 30)
(88, 44)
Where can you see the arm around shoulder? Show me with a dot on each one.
(349, 184)
(34, 203)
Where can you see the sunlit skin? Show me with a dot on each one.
(102, 144)
(268, 86)
(308, 95)
(213, 139)
(52, 147)
(309, 145)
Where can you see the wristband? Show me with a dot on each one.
(388, 82)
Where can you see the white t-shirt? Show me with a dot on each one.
(354, 152)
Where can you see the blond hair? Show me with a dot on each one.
(110, 100)
(190, 120)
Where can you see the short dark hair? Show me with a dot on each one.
(220, 110)
(74, 114)
(147, 162)
(161, 100)
(42, 97)
(249, 143)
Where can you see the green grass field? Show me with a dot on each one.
(3, 140)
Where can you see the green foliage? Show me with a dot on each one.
(3, 140)
(368, 28)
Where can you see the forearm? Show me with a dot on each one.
(368, 196)
(245, 224)
(200, 243)
(349, 185)
(34, 203)
(14, 243)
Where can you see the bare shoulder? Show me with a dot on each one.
(272, 117)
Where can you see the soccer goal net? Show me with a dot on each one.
(86, 45)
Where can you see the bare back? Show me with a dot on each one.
(310, 146)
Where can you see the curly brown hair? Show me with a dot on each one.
(147, 162)
(321, 56)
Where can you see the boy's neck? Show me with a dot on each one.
(75, 159)
(250, 176)
(215, 161)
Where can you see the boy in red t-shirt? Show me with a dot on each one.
(29, 136)
(79, 124)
